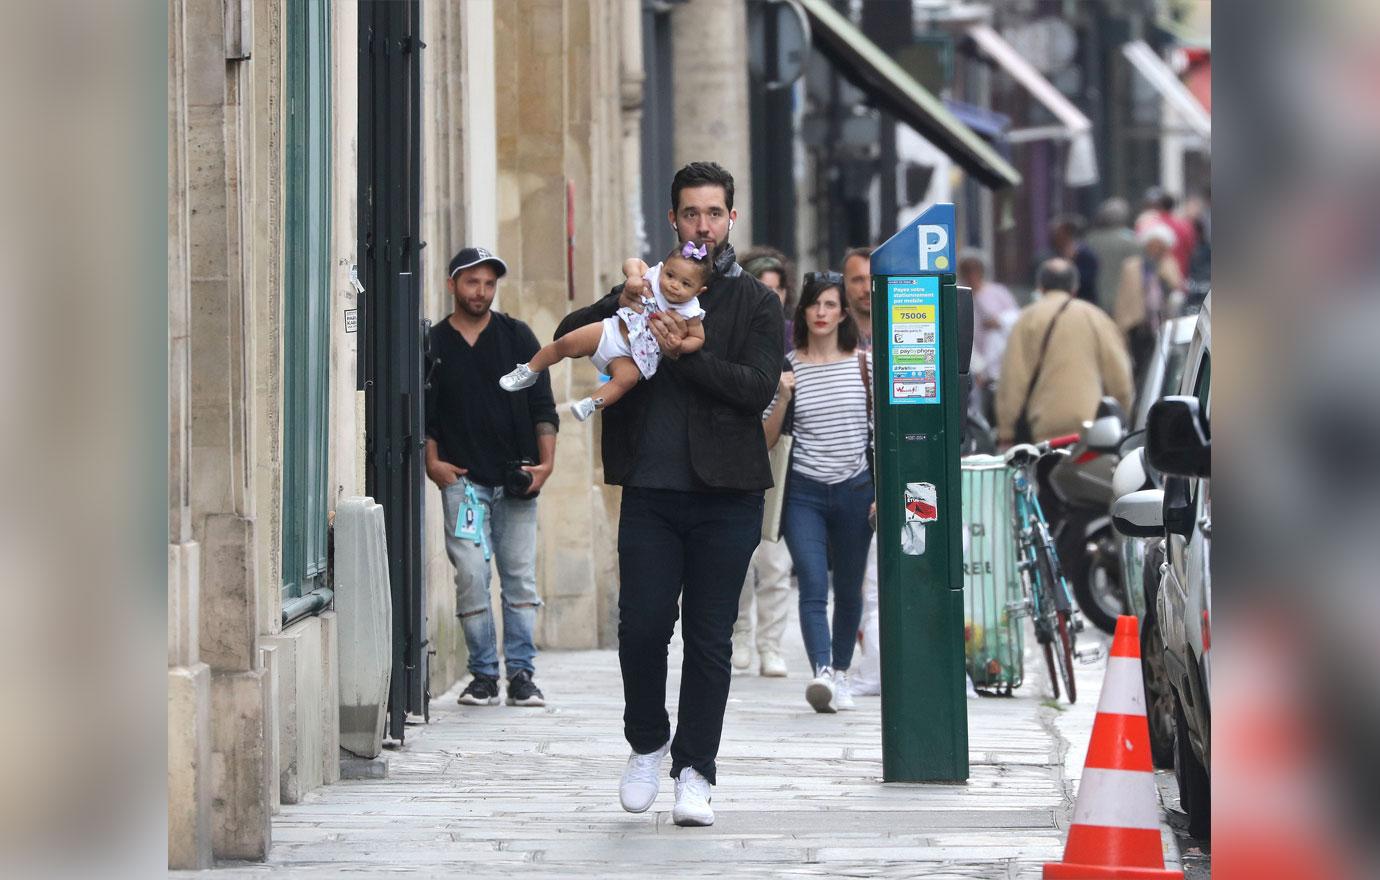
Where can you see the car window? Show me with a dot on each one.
(1174, 364)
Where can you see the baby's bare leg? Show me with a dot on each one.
(623, 375)
(575, 344)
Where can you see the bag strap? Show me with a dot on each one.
(1040, 362)
(867, 386)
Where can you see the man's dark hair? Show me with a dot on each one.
(864, 251)
(702, 174)
(800, 329)
(1057, 274)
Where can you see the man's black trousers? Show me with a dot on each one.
(703, 542)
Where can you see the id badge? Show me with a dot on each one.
(469, 520)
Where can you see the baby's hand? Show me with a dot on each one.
(634, 268)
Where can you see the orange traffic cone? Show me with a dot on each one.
(1116, 822)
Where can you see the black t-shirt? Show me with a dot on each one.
(476, 424)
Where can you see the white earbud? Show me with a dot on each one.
(730, 223)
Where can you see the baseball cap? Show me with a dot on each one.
(473, 256)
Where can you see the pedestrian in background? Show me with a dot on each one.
(857, 277)
(1066, 239)
(994, 314)
(1062, 356)
(777, 273)
(1112, 241)
(687, 447)
(1161, 207)
(1148, 292)
(490, 453)
(765, 602)
(829, 490)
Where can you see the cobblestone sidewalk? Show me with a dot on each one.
(499, 791)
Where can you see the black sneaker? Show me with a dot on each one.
(482, 691)
(522, 691)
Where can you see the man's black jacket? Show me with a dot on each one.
(729, 382)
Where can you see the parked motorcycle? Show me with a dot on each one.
(1088, 546)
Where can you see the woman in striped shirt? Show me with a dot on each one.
(829, 490)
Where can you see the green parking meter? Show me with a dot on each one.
(916, 361)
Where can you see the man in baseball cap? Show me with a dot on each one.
(474, 256)
(489, 452)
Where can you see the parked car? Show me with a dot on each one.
(1141, 558)
(1179, 445)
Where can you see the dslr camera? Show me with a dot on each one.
(516, 481)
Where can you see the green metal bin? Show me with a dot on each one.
(993, 639)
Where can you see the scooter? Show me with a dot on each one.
(1088, 546)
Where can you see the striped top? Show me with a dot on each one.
(831, 425)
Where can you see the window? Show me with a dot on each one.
(306, 297)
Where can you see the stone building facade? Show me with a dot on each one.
(532, 109)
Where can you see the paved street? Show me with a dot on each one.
(503, 791)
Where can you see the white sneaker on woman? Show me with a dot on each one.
(692, 799)
(820, 691)
(642, 780)
(843, 694)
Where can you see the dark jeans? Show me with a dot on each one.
(826, 522)
(693, 547)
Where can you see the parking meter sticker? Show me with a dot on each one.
(912, 354)
(913, 315)
(912, 334)
(922, 502)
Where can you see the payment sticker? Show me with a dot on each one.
(913, 346)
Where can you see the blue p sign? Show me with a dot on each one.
(934, 241)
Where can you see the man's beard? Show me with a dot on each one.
(465, 306)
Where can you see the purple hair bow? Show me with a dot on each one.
(694, 253)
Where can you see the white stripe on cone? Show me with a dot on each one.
(1117, 799)
(1123, 690)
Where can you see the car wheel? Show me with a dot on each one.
(1195, 786)
(1159, 696)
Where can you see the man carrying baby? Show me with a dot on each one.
(687, 447)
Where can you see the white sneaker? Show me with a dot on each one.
(583, 409)
(820, 692)
(692, 799)
(642, 780)
(843, 694)
(773, 665)
(521, 377)
(742, 654)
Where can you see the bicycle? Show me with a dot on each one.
(1047, 599)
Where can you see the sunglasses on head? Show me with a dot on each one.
(825, 278)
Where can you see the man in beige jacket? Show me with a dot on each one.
(1085, 360)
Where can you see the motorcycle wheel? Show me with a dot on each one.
(1096, 577)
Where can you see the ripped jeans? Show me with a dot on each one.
(511, 526)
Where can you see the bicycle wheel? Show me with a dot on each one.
(1059, 654)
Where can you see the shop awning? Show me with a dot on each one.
(1171, 88)
(1077, 128)
(890, 88)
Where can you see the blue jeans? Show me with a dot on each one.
(824, 522)
(511, 526)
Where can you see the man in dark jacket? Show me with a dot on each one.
(489, 452)
(688, 448)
